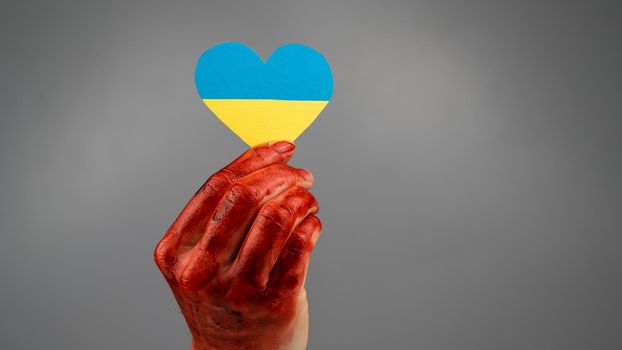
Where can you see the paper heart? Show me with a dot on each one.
(261, 102)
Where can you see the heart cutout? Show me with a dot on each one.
(261, 102)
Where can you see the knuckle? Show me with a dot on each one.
(277, 212)
(216, 183)
(280, 167)
(256, 281)
(163, 255)
(303, 200)
(238, 191)
(313, 204)
(306, 174)
(265, 154)
(245, 194)
(315, 222)
(272, 218)
(186, 281)
(297, 245)
(303, 194)
(238, 194)
(232, 172)
(246, 279)
(254, 158)
(159, 255)
(253, 153)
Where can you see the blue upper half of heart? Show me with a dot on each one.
(235, 71)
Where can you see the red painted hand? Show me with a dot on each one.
(237, 255)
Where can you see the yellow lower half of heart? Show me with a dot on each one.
(259, 121)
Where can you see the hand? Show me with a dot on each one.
(236, 257)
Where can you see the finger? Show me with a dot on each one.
(190, 223)
(256, 158)
(227, 226)
(290, 269)
(269, 233)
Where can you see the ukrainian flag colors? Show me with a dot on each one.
(261, 102)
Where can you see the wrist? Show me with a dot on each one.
(286, 337)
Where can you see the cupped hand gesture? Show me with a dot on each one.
(237, 255)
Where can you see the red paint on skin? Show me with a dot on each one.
(238, 285)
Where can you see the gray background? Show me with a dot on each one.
(468, 167)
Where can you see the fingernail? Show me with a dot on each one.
(283, 146)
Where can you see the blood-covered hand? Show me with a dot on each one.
(237, 255)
